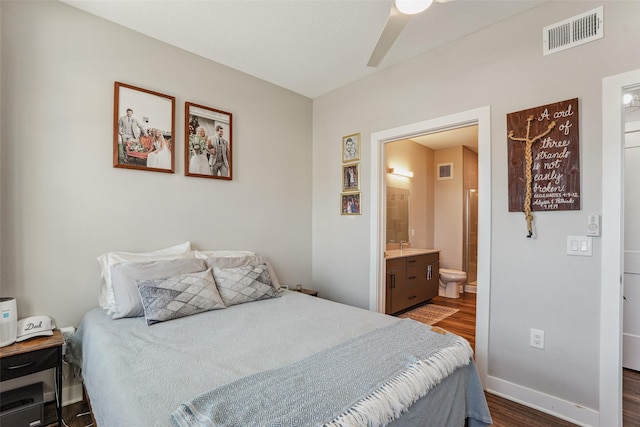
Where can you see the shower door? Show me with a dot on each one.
(470, 246)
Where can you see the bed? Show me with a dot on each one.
(284, 359)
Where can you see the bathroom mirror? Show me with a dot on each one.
(397, 215)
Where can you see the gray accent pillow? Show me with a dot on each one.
(240, 261)
(244, 284)
(124, 276)
(179, 296)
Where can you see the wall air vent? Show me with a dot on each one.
(573, 32)
(445, 171)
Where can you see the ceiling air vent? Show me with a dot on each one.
(573, 32)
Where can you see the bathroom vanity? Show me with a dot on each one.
(412, 278)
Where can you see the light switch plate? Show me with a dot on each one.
(579, 245)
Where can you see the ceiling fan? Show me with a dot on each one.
(399, 16)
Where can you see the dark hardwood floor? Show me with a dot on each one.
(74, 415)
(504, 412)
(631, 398)
(462, 323)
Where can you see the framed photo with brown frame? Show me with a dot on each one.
(143, 129)
(350, 203)
(351, 177)
(208, 149)
(351, 148)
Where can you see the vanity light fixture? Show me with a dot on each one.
(401, 172)
(412, 7)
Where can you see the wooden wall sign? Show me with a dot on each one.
(544, 159)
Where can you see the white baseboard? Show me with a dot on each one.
(630, 351)
(551, 405)
(472, 289)
(70, 395)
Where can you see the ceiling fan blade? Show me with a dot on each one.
(392, 29)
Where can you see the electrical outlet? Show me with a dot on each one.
(536, 339)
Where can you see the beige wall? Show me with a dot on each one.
(448, 210)
(62, 202)
(534, 284)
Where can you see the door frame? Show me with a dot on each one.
(612, 259)
(377, 289)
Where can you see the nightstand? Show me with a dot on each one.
(35, 355)
(308, 292)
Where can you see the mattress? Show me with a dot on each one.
(138, 375)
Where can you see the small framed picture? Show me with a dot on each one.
(208, 147)
(143, 129)
(350, 203)
(351, 177)
(351, 148)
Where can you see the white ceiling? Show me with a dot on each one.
(310, 47)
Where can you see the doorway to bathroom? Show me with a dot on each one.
(439, 193)
(379, 169)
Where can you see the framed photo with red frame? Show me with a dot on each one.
(208, 147)
(143, 129)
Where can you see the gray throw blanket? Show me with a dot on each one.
(368, 380)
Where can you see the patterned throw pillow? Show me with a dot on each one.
(179, 296)
(244, 284)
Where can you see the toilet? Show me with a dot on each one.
(450, 283)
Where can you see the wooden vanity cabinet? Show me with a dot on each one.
(396, 278)
(411, 280)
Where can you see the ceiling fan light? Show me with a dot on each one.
(412, 7)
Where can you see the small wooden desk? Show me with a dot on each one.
(35, 355)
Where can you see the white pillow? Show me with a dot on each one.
(210, 254)
(106, 298)
(124, 276)
(232, 262)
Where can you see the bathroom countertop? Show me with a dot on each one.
(397, 253)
